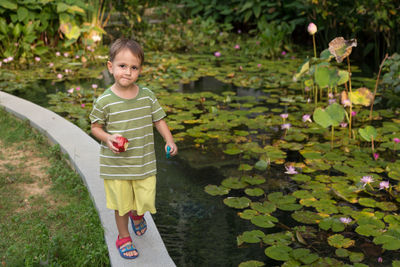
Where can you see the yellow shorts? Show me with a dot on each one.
(127, 195)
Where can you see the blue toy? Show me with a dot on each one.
(168, 152)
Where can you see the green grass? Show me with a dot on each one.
(58, 228)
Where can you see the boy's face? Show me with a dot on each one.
(125, 68)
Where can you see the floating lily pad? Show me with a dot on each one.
(278, 252)
(390, 240)
(304, 255)
(331, 223)
(339, 241)
(265, 221)
(254, 192)
(234, 183)
(386, 206)
(237, 202)
(252, 263)
(301, 178)
(261, 165)
(367, 202)
(281, 238)
(253, 180)
(254, 236)
(265, 207)
(356, 257)
(342, 252)
(307, 217)
(216, 190)
(310, 154)
(247, 214)
(233, 151)
(245, 167)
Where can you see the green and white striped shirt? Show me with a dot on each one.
(133, 119)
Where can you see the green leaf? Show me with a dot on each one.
(61, 7)
(339, 241)
(356, 257)
(367, 202)
(281, 238)
(234, 183)
(237, 202)
(216, 190)
(251, 263)
(233, 151)
(368, 133)
(247, 214)
(265, 221)
(22, 13)
(326, 76)
(336, 113)
(254, 192)
(389, 242)
(278, 252)
(8, 4)
(307, 217)
(321, 117)
(254, 236)
(265, 207)
(342, 252)
(261, 165)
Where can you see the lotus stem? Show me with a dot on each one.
(315, 47)
(332, 134)
(351, 103)
(376, 86)
(372, 145)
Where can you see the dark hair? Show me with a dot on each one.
(123, 43)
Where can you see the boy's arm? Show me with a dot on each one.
(163, 129)
(108, 139)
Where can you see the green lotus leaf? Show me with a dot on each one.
(302, 70)
(254, 192)
(254, 236)
(392, 219)
(265, 207)
(325, 76)
(292, 146)
(310, 154)
(237, 202)
(274, 153)
(356, 257)
(233, 151)
(307, 217)
(368, 133)
(261, 165)
(336, 113)
(216, 190)
(265, 221)
(361, 96)
(306, 258)
(245, 167)
(289, 206)
(301, 178)
(367, 202)
(251, 263)
(390, 239)
(343, 77)
(278, 252)
(253, 180)
(322, 118)
(386, 206)
(342, 252)
(334, 156)
(278, 198)
(395, 175)
(368, 230)
(302, 194)
(396, 263)
(281, 238)
(247, 214)
(295, 136)
(331, 223)
(339, 241)
(234, 183)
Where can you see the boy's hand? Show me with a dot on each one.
(174, 148)
(110, 140)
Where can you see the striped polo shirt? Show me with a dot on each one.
(133, 119)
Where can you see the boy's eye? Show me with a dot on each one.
(134, 68)
(122, 66)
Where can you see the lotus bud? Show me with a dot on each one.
(312, 28)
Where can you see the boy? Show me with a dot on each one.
(127, 110)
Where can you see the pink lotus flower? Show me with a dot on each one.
(240, 68)
(259, 65)
(346, 103)
(283, 53)
(217, 54)
(239, 31)
(237, 46)
(345, 220)
(70, 90)
(82, 105)
(307, 89)
(366, 180)
(77, 57)
(257, 42)
(51, 64)
(66, 54)
(330, 95)
(37, 59)
(376, 156)
(343, 124)
(331, 101)
(290, 170)
(286, 126)
(94, 86)
(307, 117)
(384, 185)
(396, 140)
(58, 54)
(77, 88)
(59, 76)
(312, 28)
(353, 113)
(284, 115)
(380, 260)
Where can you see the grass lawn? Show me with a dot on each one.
(46, 215)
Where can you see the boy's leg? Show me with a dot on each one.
(122, 225)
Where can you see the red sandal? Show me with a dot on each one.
(142, 225)
(128, 248)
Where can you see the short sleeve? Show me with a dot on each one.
(157, 111)
(97, 115)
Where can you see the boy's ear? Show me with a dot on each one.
(109, 66)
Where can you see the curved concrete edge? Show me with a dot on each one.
(83, 152)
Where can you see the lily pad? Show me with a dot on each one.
(265, 221)
(304, 255)
(252, 263)
(261, 165)
(234, 183)
(278, 252)
(356, 257)
(307, 217)
(339, 241)
(367, 202)
(265, 207)
(301, 178)
(254, 236)
(368, 133)
(216, 190)
(253, 180)
(247, 214)
(237, 202)
(254, 192)
(390, 240)
(281, 238)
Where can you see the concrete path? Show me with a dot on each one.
(83, 152)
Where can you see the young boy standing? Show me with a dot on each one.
(127, 110)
